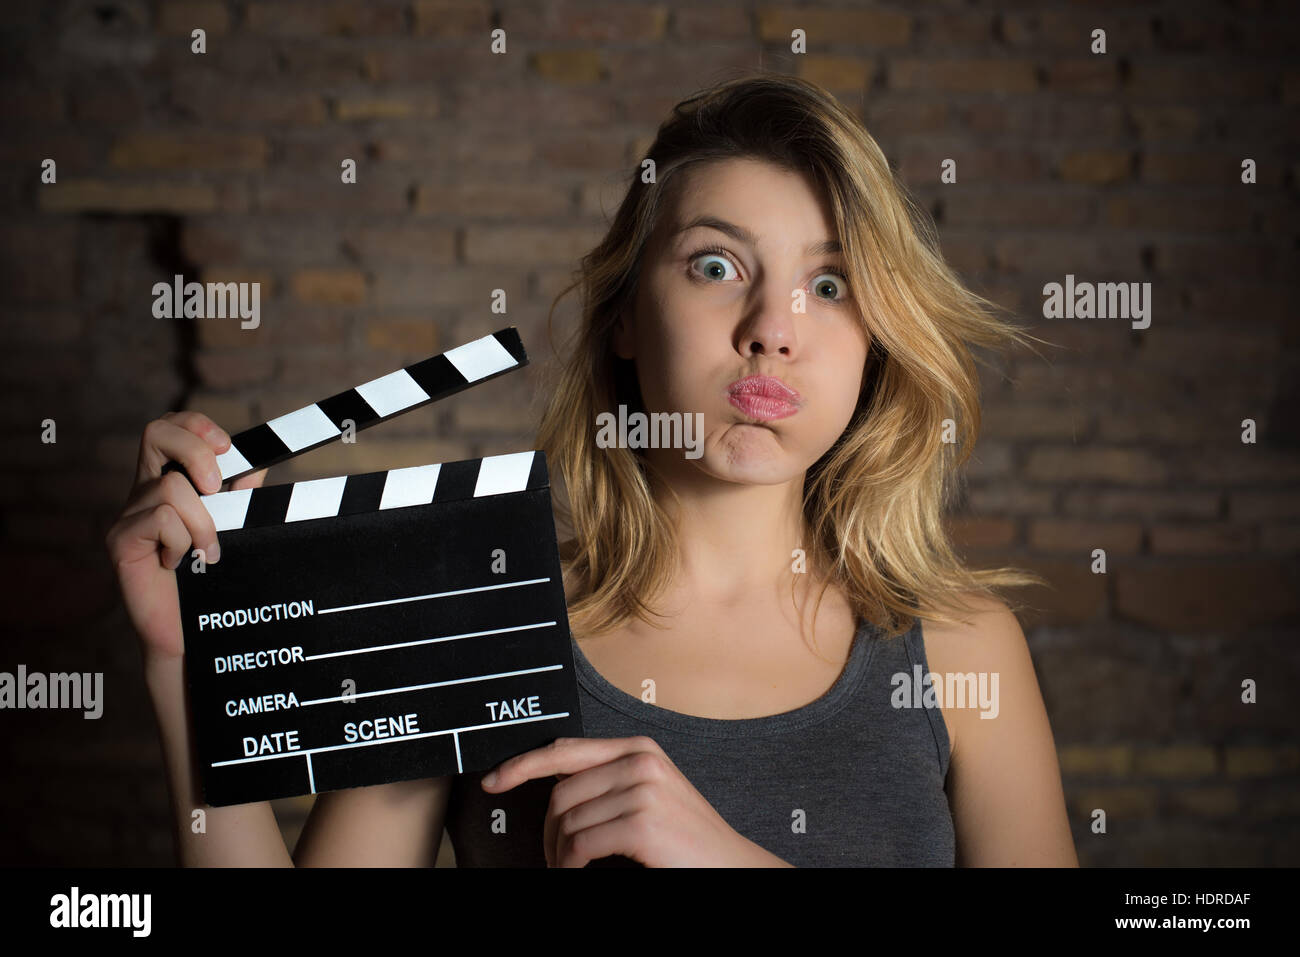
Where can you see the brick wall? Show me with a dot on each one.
(478, 171)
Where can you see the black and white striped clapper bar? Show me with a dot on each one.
(377, 627)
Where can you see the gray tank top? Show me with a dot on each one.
(847, 780)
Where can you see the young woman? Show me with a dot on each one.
(752, 620)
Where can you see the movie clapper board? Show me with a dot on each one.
(377, 627)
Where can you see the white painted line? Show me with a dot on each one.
(431, 684)
(437, 594)
(405, 737)
(424, 641)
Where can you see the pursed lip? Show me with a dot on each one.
(763, 398)
(766, 386)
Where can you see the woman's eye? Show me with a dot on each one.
(715, 266)
(827, 283)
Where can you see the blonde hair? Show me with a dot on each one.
(873, 502)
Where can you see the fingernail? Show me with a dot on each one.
(213, 479)
(213, 552)
(490, 778)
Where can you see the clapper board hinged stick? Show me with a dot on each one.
(377, 627)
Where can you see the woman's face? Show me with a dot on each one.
(703, 320)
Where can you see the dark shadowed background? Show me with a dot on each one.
(479, 171)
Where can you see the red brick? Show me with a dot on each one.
(1027, 206)
(410, 335)
(1055, 31)
(1039, 421)
(1203, 169)
(837, 72)
(1199, 210)
(524, 104)
(1095, 75)
(1036, 254)
(981, 532)
(323, 190)
(425, 287)
(320, 18)
(847, 26)
(956, 31)
(1195, 79)
(167, 149)
(232, 368)
(1067, 463)
(719, 20)
(1244, 259)
(528, 244)
(890, 115)
(1096, 166)
(963, 76)
(288, 240)
(1081, 537)
(403, 243)
(974, 164)
(116, 196)
(1011, 498)
(452, 18)
(236, 104)
(1248, 505)
(386, 105)
(567, 66)
(328, 285)
(1161, 122)
(1218, 538)
(649, 66)
(585, 21)
(182, 18)
(1205, 597)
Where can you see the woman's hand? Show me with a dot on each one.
(163, 520)
(625, 796)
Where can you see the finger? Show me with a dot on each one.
(138, 536)
(561, 756)
(613, 836)
(165, 439)
(579, 790)
(201, 425)
(174, 490)
(251, 480)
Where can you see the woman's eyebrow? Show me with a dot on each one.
(825, 247)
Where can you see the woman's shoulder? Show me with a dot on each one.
(986, 640)
(984, 637)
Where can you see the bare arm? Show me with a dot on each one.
(385, 825)
(1004, 780)
(242, 835)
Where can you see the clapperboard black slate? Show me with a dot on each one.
(378, 627)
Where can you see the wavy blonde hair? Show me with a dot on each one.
(873, 502)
